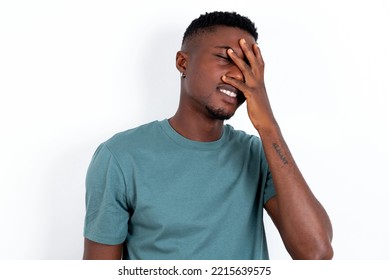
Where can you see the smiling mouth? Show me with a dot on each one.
(228, 92)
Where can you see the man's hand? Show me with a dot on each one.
(253, 87)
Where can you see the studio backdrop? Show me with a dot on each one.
(73, 73)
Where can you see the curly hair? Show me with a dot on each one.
(206, 22)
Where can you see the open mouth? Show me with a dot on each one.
(228, 92)
(234, 95)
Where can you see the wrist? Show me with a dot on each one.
(269, 127)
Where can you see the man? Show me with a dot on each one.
(191, 187)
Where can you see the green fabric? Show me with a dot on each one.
(168, 197)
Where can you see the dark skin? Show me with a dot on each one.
(228, 59)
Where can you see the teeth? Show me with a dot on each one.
(229, 93)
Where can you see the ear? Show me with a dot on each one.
(181, 61)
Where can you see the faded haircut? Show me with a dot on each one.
(206, 23)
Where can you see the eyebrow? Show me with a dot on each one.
(223, 47)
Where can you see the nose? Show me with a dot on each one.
(234, 72)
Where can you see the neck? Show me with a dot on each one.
(197, 127)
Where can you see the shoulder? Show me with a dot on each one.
(130, 140)
(136, 135)
(242, 137)
(135, 132)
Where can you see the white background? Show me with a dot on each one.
(73, 73)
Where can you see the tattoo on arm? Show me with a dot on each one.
(279, 152)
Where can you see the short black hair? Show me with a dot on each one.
(207, 21)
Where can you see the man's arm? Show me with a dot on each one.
(98, 251)
(303, 223)
(301, 220)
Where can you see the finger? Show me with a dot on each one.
(257, 52)
(258, 55)
(248, 52)
(242, 65)
(241, 86)
(253, 56)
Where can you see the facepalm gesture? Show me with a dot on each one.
(253, 85)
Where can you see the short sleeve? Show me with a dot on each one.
(107, 210)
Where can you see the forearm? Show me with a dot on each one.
(302, 221)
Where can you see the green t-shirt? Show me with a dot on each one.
(168, 197)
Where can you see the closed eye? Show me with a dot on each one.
(227, 58)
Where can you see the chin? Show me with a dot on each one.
(220, 113)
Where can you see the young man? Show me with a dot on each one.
(191, 187)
